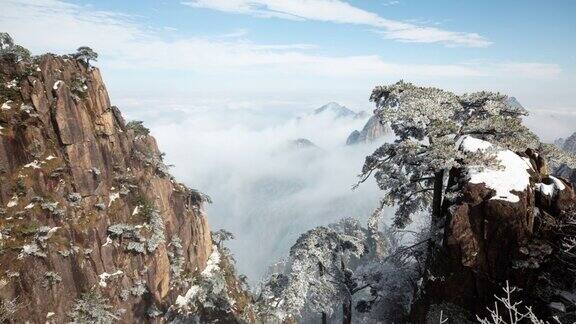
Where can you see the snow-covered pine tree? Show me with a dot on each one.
(428, 124)
(317, 277)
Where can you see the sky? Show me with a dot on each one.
(292, 55)
(225, 85)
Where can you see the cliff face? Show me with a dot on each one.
(372, 131)
(88, 213)
(506, 223)
(568, 145)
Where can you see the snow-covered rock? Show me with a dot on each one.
(511, 175)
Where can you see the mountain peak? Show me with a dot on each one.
(336, 109)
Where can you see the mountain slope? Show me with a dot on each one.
(90, 218)
(338, 111)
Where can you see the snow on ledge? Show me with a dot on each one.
(212, 267)
(552, 189)
(105, 275)
(512, 176)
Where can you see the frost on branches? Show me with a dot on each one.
(316, 277)
(207, 293)
(216, 294)
(428, 124)
(331, 269)
(508, 311)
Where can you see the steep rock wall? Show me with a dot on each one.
(86, 204)
(487, 239)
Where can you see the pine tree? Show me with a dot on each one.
(317, 277)
(86, 54)
(428, 124)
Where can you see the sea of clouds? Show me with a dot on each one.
(266, 190)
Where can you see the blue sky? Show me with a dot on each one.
(284, 56)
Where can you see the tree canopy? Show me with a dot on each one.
(86, 54)
(11, 51)
(428, 124)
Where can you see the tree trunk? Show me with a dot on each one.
(347, 304)
(347, 312)
(321, 271)
(438, 193)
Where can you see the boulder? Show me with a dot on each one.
(497, 227)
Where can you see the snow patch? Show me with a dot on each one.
(57, 84)
(550, 189)
(212, 265)
(512, 176)
(34, 165)
(108, 241)
(113, 197)
(105, 275)
(558, 183)
(12, 84)
(182, 301)
(6, 105)
(50, 157)
(13, 202)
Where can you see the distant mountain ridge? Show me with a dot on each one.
(339, 111)
(302, 143)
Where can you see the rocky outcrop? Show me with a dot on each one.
(91, 223)
(569, 144)
(567, 173)
(372, 131)
(502, 223)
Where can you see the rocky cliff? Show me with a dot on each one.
(372, 131)
(568, 145)
(506, 222)
(92, 226)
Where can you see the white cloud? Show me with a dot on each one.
(341, 12)
(52, 25)
(391, 3)
(263, 190)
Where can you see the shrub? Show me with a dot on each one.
(11, 51)
(92, 307)
(138, 127)
(85, 54)
(7, 309)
